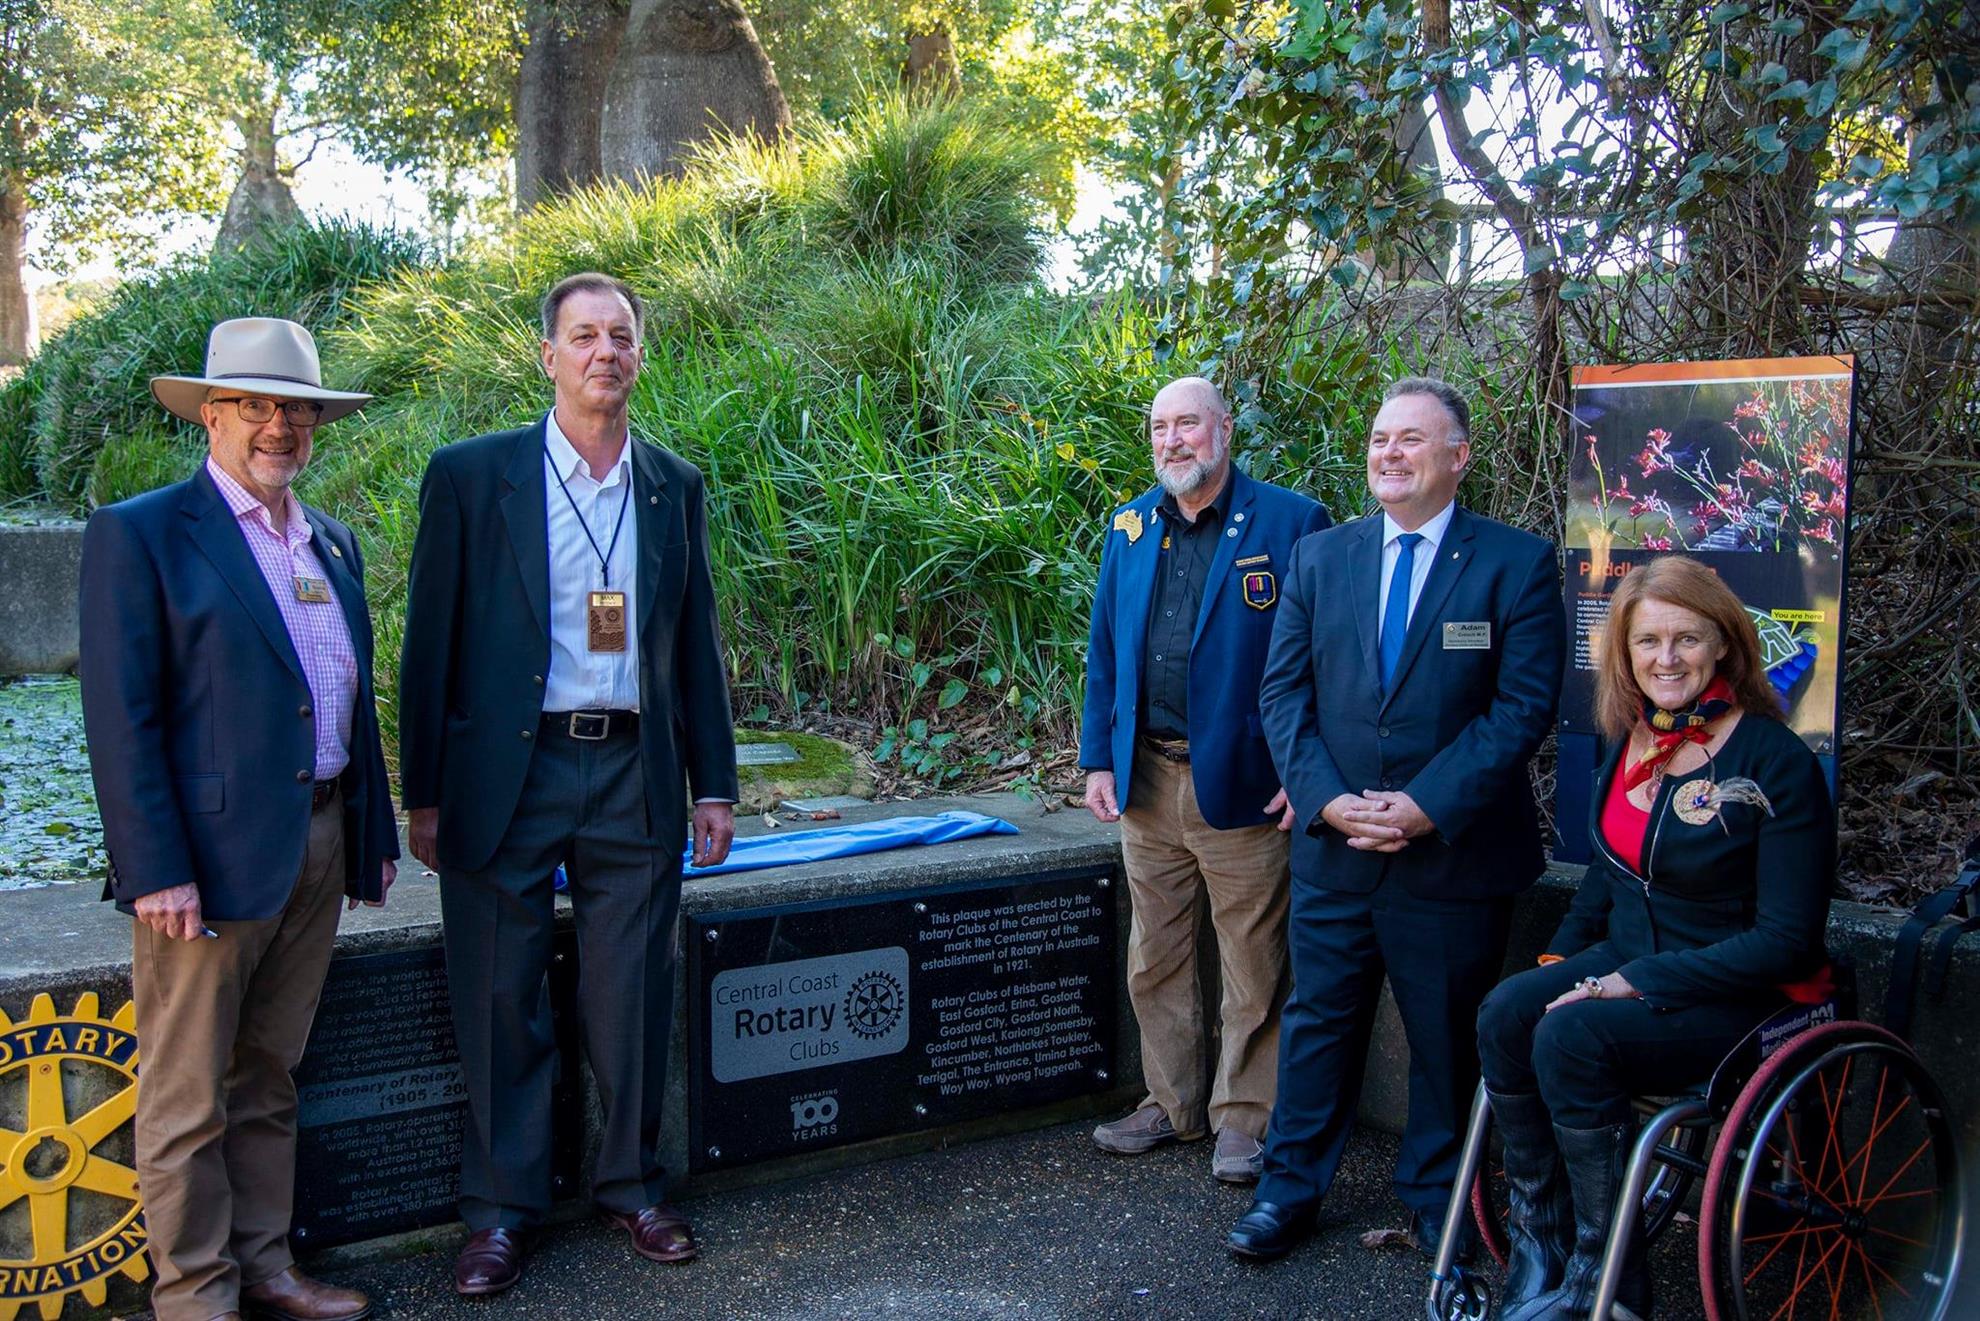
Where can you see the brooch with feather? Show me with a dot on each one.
(1698, 801)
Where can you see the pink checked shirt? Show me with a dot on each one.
(317, 631)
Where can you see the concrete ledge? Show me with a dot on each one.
(39, 571)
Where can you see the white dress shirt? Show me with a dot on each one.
(1432, 533)
(581, 679)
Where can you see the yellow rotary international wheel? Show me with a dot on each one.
(69, 1212)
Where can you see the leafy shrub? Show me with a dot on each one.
(94, 376)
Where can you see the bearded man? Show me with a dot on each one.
(1173, 749)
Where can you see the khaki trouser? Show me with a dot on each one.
(1174, 859)
(220, 1025)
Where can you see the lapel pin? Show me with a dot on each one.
(1454, 554)
(1230, 532)
(1238, 519)
(338, 551)
(653, 499)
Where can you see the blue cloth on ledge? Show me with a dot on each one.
(816, 845)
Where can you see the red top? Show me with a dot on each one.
(1624, 824)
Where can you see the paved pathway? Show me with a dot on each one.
(1039, 1227)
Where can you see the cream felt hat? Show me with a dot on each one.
(258, 355)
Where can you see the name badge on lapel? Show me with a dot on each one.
(313, 591)
(1261, 589)
(605, 622)
(1468, 636)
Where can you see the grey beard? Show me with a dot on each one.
(1194, 476)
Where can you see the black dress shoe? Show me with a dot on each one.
(1269, 1230)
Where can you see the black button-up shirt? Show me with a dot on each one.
(1180, 579)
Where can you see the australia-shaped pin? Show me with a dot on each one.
(1129, 521)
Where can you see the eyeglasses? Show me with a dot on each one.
(300, 412)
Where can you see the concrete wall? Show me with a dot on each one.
(38, 576)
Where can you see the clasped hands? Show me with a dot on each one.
(1377, 820)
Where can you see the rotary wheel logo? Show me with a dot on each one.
(874, 1005)
(67, 1150)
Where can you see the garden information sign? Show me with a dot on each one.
(1743, 465)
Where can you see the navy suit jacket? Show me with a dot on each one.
(201, 738)
(477, 646)
(1231, 766)
(1456, 728)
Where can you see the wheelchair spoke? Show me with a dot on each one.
(1923, 1147)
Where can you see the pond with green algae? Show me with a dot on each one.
(49, 833)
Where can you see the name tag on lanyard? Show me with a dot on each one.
(605, 622)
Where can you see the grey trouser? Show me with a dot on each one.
(583, 805)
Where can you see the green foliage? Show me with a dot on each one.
(89, 385)
(107, 113)
(17, 396)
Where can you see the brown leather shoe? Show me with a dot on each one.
(490, 1261)
(659, 1233)
(293, 1296)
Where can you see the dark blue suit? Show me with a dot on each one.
(200, 738)
(1232, 767)
(1454, 729)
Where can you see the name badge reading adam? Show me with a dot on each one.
(605, 621)
(1471, 636)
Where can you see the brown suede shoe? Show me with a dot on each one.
(659, 1233)
(490, 1261)
(293, 1296)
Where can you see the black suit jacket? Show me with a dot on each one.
(1457, 726)
(1731, 907)
(201, 737)
(477, 644)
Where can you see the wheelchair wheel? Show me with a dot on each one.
(1663, 1196)
(1834, 1187)
(1464, 1297)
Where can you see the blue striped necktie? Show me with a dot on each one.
(1395, 617)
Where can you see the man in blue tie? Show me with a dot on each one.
(1414, 669)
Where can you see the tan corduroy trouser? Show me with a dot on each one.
(220, 1025)
(1174, 860)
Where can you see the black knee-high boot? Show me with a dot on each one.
(1540, 1227)
(1595, 1159)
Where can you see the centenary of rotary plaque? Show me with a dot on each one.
(812, 1025)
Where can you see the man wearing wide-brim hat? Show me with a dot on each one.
(226, 682)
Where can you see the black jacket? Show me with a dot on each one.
(477, 644)
(1729, 909)
(201, 739)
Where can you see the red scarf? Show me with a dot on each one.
(1671, 730)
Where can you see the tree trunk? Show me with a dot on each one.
(686, 70)
(1747, 250)
(1425, 255)
(261, 200)
(17, 332)
(931, 69)
(560, 94)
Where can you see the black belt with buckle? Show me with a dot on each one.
(590, 726)
(320, 793)
(1168, 749)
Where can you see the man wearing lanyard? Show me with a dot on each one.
(562, 687)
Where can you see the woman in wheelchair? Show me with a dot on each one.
(1713, 839)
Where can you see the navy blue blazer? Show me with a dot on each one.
(477, 645)
(1232, 768)
(1457, 727)
(201, 738)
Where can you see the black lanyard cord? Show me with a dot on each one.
(604, 556)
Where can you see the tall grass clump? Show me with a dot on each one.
(90, 398)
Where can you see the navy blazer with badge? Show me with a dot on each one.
(481, 569)
(1232, 768)
(1465, 713)
(201, 739)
